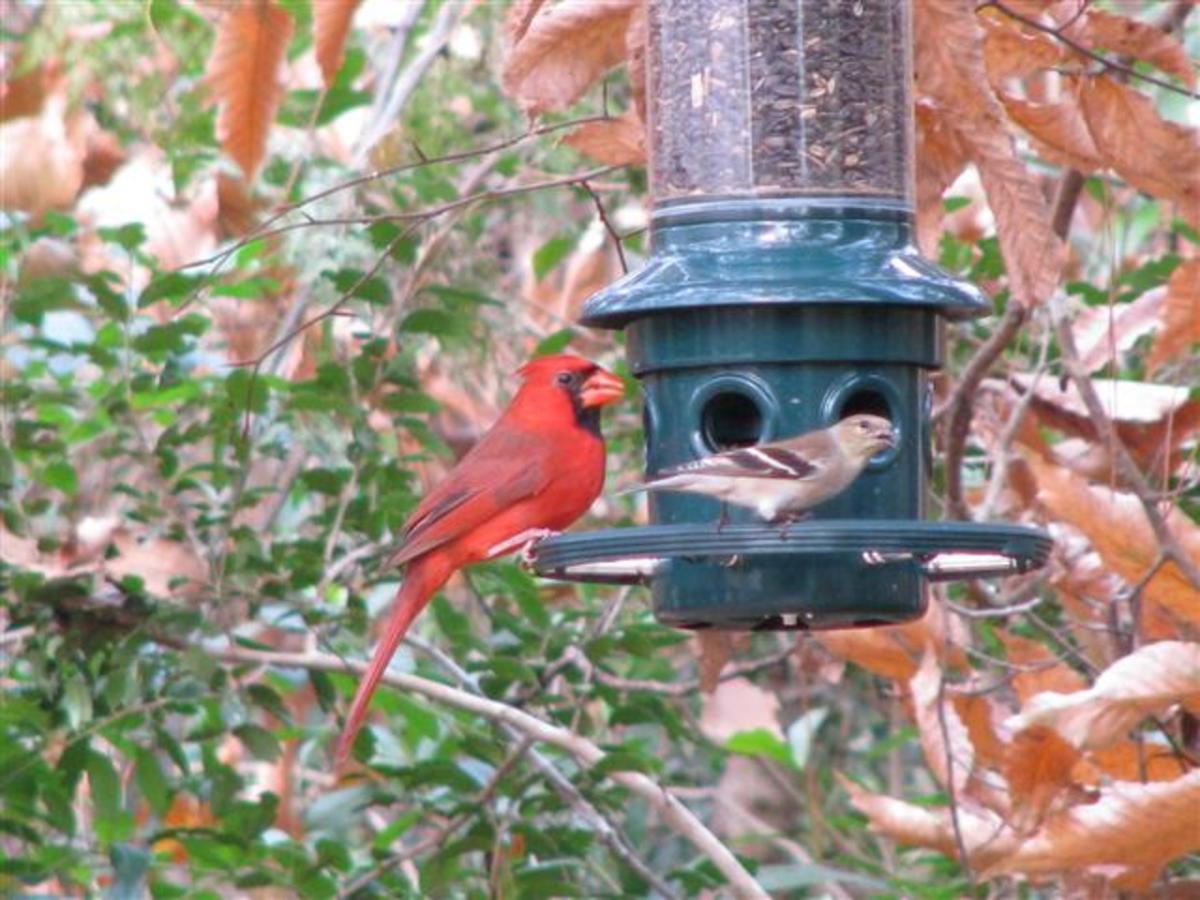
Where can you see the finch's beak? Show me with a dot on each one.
(890, 439)
(601, 388)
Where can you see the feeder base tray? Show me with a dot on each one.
(809, 575)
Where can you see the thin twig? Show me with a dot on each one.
(960, 405)
(951, 790)
(608, 225)
(677, 816)
(1075, 45)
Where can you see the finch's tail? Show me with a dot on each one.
(421, 581)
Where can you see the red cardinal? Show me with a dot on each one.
(538, 469)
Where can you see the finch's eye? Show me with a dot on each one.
(565, 377)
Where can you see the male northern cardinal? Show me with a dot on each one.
(536, 471)
(780, 481)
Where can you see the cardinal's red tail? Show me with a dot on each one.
(421, 581)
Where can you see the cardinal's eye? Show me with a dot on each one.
(564, 377)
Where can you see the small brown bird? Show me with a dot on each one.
(782, 480)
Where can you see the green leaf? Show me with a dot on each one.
(130, 236)
(111, 822)
(760, 742)
(347, 281)
(150, 780)
(260, 742)
(172, 286)
(555, 343)
(437, 322)
(550, 254)
(77, 702)
(60, 475)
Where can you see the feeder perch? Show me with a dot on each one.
(783, 292)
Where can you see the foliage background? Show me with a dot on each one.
(245, 326)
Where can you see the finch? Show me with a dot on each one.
(535, 471)
(782, 480)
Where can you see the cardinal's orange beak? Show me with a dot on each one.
(601, 388)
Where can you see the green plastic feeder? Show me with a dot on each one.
(783, 292)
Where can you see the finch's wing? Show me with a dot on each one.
(771, 461)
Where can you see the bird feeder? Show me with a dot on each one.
(783, 292)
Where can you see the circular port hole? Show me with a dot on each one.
(865, 401)
(731, 419)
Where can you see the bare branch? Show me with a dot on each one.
(587, 754)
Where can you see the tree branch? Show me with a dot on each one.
(658, 797)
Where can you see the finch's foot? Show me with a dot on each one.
(529, 550)
(522, 543)
(788, 521)
(723, 519)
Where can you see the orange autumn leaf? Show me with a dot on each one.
(243, 75)
(951, 70)
(1130, 825)
(716, 649)
(1154, 155)
(516, 20)
(612, 142)
(1117, 527)
(944, 738)
(1038, 766)
(984, 834)
(893, 651)
(1144, 683)
(1180, 331)
(1130, 761)
(1141, 40)
(1059, 131)
(331, 24)
(941, 158)
(1040, 669)
(564, 50)
(1009, 52)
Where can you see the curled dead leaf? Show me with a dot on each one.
(1059, 131)
(1124, 36)
(1129, 825)
(1116, 525)
(612, 142)
(944, 737)
(1038, 767)
(1180, 332)
(1144, 683)
(950, 69)
(1154, 155)
(564, 50)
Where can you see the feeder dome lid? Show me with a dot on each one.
(732, 252)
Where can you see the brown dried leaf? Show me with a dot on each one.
(1181, 316)
(1042, 670)
(243, 75)
(716, 649)
(41, 159)
(739, 705)
(1059, 131)
(1131, 761)
(635, 52)
(331, 24)
(985, 836)
(24, 94)
(1141, 40)
(564, 50)
(941, 158)
(1141, 684)
(1130, 825)
(1101, 332)
(983, 716)
(1116, 525)
(1038, 767)
(950, 68)
(517, 19)
(1154, 155)
(1010, 52)
(612, 142)
(944, 737)
(893, 651)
